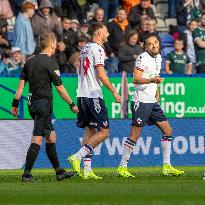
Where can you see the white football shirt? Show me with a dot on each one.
(89, 85)
(151, 67)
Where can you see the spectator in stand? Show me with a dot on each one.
(193, 11)
(45, 20)
(75, 25)
(190, 43)
(17, 5)
(110, 8)
(3, 37)
(23, 33)
(60, 57)
(144, 8)
(178, 61)
(84, 28)
(186, 10)
(4, 64)
(73, 63)
(82, 41)
(199, 42)
(143, 31)
(5, 10)
(129, 51)
(68, 36)
(128, 4)
(152, 26)
(98, 17)
(16, 63)
(117, 30)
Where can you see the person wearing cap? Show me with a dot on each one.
(84, 28)
(45, 20)
(74, 25)
(23, 33)
(144, 8)
(16, 62)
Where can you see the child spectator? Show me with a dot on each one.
(178, 61)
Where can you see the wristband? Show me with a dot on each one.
(15, 103)
(72, 105)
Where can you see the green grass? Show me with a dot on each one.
(148, 188)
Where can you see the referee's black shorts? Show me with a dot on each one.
(41, 111)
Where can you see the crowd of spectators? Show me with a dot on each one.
(128, 22)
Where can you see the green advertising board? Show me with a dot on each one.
(179, 97)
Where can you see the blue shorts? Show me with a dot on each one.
(92, 113)
(146, 113)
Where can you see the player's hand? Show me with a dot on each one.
(75, 109)
(117, 97)
(14, 111)
(157, 80)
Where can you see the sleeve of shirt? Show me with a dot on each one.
(23, 74)
(140, 63)
(99, 57)
(195, 35)
(168, 58)
(54, 73)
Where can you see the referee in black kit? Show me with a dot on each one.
(40, 72)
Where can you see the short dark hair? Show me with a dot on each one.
(82, 38)
(65, 18)
(149, 35)
(96, 26)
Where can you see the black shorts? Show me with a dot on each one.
(92, 113)
(41, 111)
(146, 113)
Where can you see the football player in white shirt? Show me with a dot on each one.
(93, 115)
(146, 109)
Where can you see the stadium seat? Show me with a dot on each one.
(166, 40)
(166, 50)
(170, 21)
(158, 1)
(161, 26)
(162, 8)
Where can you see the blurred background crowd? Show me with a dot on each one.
(179, 24)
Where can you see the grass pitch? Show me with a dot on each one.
(148, 188)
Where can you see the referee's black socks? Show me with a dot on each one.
(31, 157)
(52, 155)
